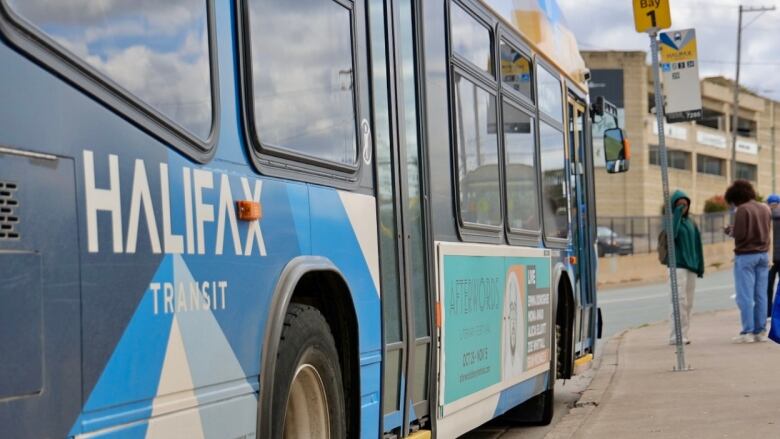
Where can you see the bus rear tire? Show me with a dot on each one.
(308, 397)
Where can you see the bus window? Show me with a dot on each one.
(555, 203)
(519, 144)
(162, 61)
(477, 154)
(516, 72)
(303, 79)
(550, 95)
(471, 39)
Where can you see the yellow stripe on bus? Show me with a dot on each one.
(420, 434)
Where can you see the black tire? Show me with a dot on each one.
(306, 339)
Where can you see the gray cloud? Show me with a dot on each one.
(609, 25)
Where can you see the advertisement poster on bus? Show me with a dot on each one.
(680, 69)
(496, 318)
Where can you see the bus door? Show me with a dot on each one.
(406, 306)
(581, 247)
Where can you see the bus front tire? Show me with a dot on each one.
(308, 397)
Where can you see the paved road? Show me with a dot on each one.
(625, 308)
(622, 308)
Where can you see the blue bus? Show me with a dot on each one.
(310, 218)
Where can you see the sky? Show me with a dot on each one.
(609, 25)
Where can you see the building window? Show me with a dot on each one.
(746, 171)
(677, 159)
(746, 127)
(711, 118)
(710, 165)
(303, 93)
(478, 184)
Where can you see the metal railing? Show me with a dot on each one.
(638, 235)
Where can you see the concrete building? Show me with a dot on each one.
(699, 152)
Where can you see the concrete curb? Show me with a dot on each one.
(605, 366)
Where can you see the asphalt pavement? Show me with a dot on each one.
(624, 308)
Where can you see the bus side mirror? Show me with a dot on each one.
(617, 151)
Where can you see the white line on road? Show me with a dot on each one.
(666, 294)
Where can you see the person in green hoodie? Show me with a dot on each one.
(689, 258)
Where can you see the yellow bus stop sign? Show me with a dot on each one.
(651, 15)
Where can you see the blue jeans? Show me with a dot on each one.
(750, 276)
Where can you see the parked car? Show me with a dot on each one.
(609, 242)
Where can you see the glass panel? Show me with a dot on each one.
(550, 97)
(746, 171)
(388, 245)
(470, 38)
(555, 204)
(392, 381)
(303, 78)
(477, 154)
(158, 51)
(516, 70)
(519, 143)
(414, 213)
(709, 165)
(420, 391)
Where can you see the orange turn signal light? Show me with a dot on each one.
(249, 210)
(573, 260)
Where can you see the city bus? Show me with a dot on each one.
(298, 219)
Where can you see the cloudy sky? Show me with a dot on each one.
(609, 25)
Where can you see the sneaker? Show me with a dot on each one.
(761, 336)
(744, 338)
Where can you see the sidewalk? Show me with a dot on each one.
(733, 390)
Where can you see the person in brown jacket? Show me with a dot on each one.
(751, 259)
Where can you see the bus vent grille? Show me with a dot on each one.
(9, 219)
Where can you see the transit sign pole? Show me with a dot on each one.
(650, 16)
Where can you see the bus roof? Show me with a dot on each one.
(543, 26)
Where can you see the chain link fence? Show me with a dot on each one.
(638, 235)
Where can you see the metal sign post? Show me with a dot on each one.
(651, 16)
(668, 226)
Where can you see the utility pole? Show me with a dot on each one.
(735, 107)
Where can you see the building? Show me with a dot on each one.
(699, 152)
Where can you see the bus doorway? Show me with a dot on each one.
(582, 249)
(403, 240)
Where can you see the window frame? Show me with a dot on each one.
(50, 54)
(751, 166)
(516, 236)
(481, 17)
(507, 38)
(516, 232)
(459, 66)
(560, 127)
(701, 164)
(283, 162)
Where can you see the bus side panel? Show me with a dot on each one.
(344, 230)
(40, 349)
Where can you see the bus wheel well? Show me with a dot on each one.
(565, 319)
(328, 292)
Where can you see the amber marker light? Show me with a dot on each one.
(627, 149)
(249, 210)
(573, 260)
